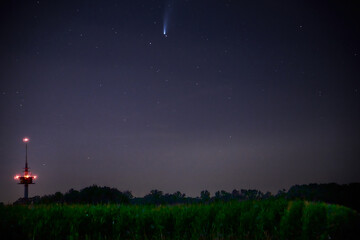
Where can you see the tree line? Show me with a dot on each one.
(346, 195)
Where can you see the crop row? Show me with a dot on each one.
(266, 219)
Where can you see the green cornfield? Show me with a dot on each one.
(263, 219)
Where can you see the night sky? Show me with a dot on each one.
(236, 94)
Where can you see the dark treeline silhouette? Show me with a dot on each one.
(89, 195)
(347, 195)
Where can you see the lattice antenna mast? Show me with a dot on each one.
(26, 179)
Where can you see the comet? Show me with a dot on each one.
(165, 25)
(164, 30)
(167, 12)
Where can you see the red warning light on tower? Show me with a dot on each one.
(27, 177)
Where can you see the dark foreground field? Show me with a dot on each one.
(265, 219)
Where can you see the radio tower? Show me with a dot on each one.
(26, 179)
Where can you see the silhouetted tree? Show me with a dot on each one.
(72, 196)
(154, 197)
(252, 194)
(267, 195)
(222, 196)
(235, 194)
(205, 196)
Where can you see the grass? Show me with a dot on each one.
(265, 219)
